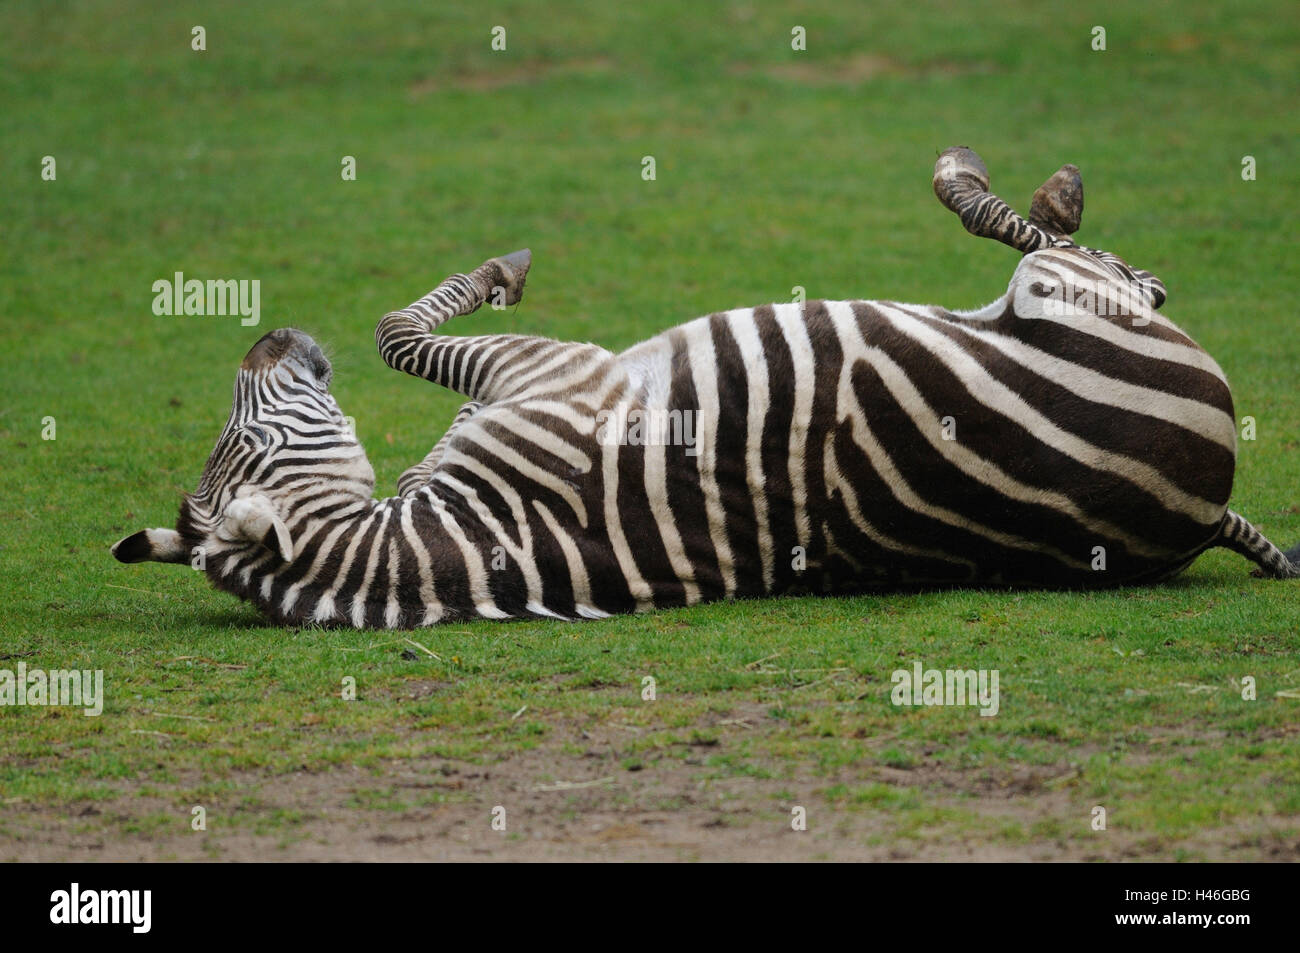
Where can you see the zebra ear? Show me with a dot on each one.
(253, 519)
(152, 545)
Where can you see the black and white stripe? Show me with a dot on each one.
(842, 445)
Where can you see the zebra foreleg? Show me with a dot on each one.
(1238, 535)
(485, 368)
(418, 475)
(499, 279)
(405, 337)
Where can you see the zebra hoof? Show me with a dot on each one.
(960, 162)
(1058, 203)
(514, 269)
(959, 178)
(520, 259)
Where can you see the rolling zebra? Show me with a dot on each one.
(1066, 435)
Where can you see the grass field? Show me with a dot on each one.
(775, 168)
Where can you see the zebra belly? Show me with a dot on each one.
(851, 445)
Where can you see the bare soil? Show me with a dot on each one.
(564, 806)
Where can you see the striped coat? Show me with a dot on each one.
(1067, 435)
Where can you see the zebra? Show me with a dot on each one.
(1053, 439)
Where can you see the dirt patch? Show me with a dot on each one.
(858, 69)
(579, 797)
(669, 814)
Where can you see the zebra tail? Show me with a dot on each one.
(1237, 534)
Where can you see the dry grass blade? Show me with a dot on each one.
(160, 595)
(758, 662)
(169, 714)
(426, 651)
(573, 785)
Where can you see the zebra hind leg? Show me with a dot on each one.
(1237, 534)
(1058, 204)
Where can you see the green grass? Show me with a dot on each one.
(775, 169)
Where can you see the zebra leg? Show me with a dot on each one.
(1238, 535)
(406, 340)
(498, 278)
(485, 368)
(1058, 204)
(418, 475)
(961, 183)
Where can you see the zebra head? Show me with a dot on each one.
(961, 183)
(286, 446)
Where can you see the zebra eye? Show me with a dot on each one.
(257, 434)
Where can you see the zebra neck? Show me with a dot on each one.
(398, 562)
